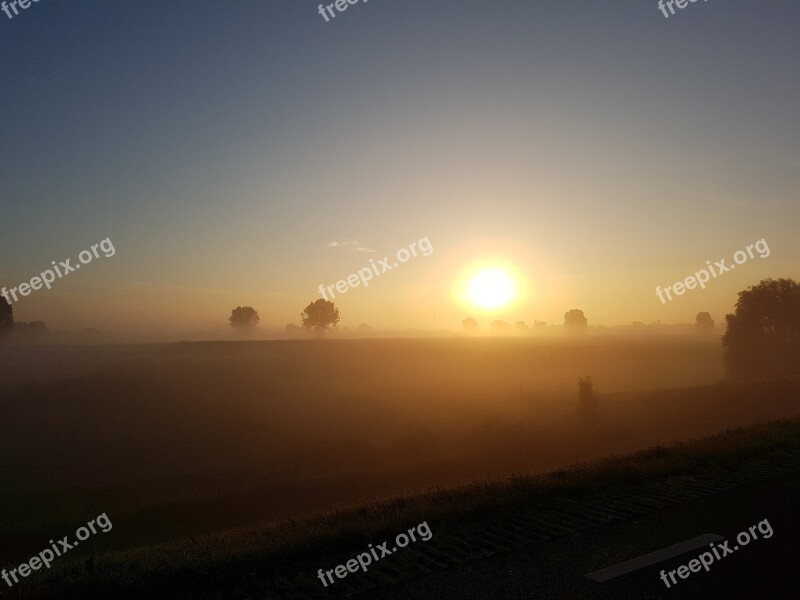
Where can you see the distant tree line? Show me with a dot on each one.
(575, 321)
(318, 316)
(33, 330)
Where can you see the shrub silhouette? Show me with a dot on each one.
(587, 397)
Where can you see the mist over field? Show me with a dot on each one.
(169, 434)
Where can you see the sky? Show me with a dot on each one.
(595, 150)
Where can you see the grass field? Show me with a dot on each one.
(204, 566)
(178, 442)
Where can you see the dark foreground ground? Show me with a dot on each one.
(765, 568)
(525, 537)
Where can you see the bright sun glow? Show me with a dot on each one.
(491, 288)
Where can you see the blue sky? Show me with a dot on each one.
(598, 147)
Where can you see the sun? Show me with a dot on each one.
(491, 284)
(491, 288)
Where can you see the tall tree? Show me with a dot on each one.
(6, 317)
(244, 317)
(763, 334)
(320, 316)
(470, 325)
(703, 323)
(575, 321)
(500, 327)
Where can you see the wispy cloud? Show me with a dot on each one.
(352, 245)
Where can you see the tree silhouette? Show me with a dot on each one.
(470, 325)
(575, 321)
(6, 317)
(34, 329)
(703, 323)
(587, 397)
(763, 334)
(500, 327)
(320, 315)
(522, 327)
(244, 317)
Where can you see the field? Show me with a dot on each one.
(177, 441)
(140, 427)
(471, 522)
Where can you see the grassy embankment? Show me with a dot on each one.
(234, 554)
